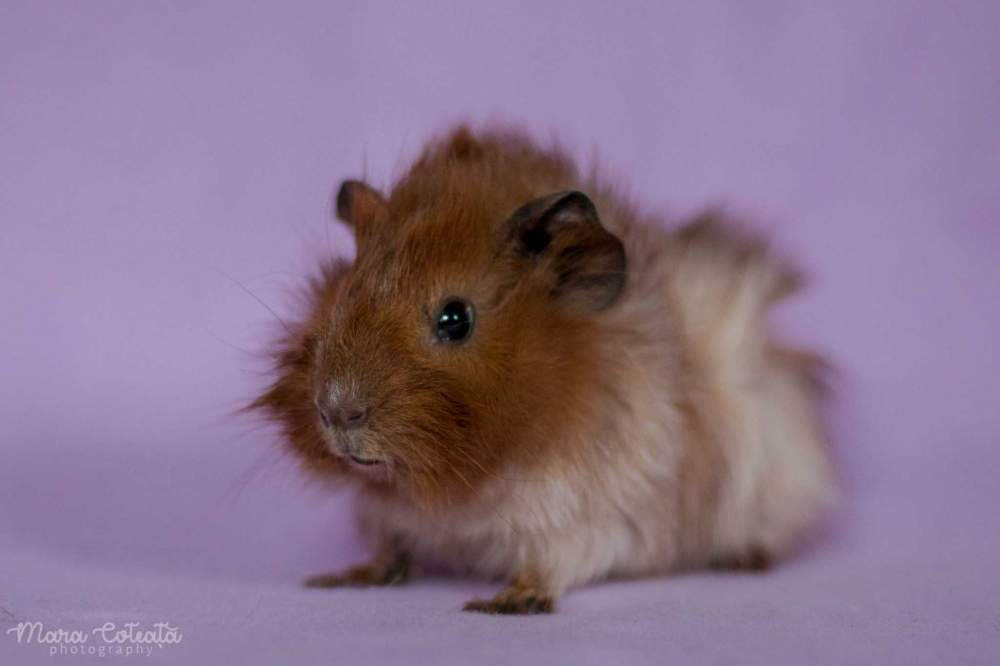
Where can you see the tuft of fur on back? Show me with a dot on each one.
(763, 397)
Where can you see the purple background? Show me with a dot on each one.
(152, 155)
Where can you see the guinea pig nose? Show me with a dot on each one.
(349, 413)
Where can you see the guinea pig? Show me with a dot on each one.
(527, 380)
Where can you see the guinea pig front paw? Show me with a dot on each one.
(373, 574)
(514, 600)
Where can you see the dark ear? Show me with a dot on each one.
(562, 237)
(358, 203)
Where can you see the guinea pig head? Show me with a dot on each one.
(458, 343)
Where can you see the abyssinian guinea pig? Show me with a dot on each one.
(525, 379)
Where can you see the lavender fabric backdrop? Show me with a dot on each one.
(154, 157)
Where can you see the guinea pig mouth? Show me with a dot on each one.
(365, 461)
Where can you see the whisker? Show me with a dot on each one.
(258, 299)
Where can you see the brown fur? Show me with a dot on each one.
(588, 401)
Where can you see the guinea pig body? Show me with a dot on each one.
(526, 380)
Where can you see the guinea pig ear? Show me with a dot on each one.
(358, 204)
(562, 237)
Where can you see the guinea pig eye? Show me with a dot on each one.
(454, 322)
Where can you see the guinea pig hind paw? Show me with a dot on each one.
(754, 560)
(513, 602)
